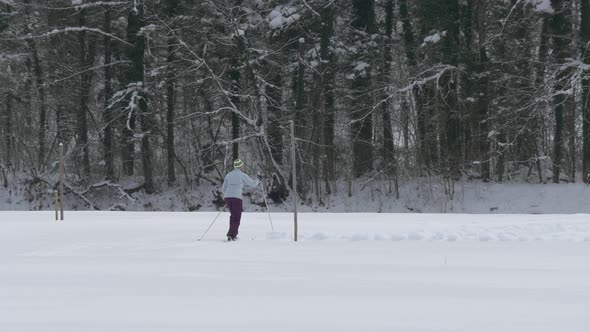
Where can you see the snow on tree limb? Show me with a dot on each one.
(99, 3)
(71, 29)
(110, 185)
(436, 77)
(576, 64)
(12, 57)
(91, 69)
(78, 4)
(239, 139)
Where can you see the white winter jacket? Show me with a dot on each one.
(235, 181)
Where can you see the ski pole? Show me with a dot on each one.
(266, 203)
(214, 220)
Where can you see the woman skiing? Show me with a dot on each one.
(233, 184)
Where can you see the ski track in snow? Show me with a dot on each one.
(344, 227)
(575, 228)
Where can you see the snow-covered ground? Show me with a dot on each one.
(420, 195)
(124, 271)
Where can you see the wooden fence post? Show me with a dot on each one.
(56, 202)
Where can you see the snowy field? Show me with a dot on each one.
(124, 271)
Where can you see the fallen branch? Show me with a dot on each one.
(110, 184)
(38, 179)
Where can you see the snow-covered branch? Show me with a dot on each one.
(110, 185)
(79, 4)
(436, 77)
(90, 69)
(239, 139)
(73, 29)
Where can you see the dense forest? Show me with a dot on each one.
(168, 92)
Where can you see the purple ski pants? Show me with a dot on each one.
(235, 208)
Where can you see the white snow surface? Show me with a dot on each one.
(140, 271)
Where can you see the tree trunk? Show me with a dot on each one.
(417, 93)
(539, 83)
(275, 135)
(136, 79)
(38, 72)
(28, 99)
(146, 150)
(468, 87)
(409, 43)
(86, 59)
(234, 75)
(134, 75)
(170, 112)
(42, 104)
(362, 117)
(524, 142)
(570, 117)
(8, 134)
(451, 145)
(585, 34)
(561, 29)
(170, 97)
(327, 88)
(299, 116)
(108, 92)
(388, 147)
(405, 120)
(501, 157)
(483, 105)
(362, 129)
(128, 150)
